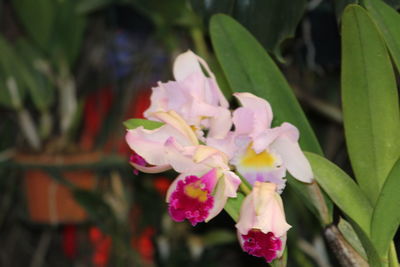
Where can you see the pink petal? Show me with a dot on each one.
(247, 217)
(261, 109)
(262, 209)
(243, 118)
(204, 152)
(232, 182)
(149, 144)
(225, 145)
(151, 169)
(220, 123)
(210, 179)
(227, 187)
(181, 159)
(219, 200)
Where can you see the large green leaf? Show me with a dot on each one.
(248, 68)
(386, 216)
(270, 21)
(68, 31)
(388, 20)
(342, 190)
(370, 101)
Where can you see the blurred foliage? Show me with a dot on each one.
(271, 22)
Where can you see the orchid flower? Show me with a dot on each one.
(262, 225)
(259, 152)
(148, 145)
(194, 96)
(205, 182)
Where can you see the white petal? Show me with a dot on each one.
(293, 159)
(185, 64)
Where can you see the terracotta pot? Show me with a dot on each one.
(48, 201)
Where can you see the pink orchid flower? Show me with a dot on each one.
(149, 145)
(259, 152)
(205, 182)
(262, 225)
(194, 96)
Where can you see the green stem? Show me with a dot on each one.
(199, 42)
(245, 189)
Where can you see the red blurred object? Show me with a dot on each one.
(97, 105)
(144, 244)
(140, 103)
(69, 241)
(161, 184)
(95, 235)
(102, 246)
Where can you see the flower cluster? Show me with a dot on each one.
(210, 146)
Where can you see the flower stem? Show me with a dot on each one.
(245, 189)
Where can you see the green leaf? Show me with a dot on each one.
(38, 19)
(388, 20)
(249, 68)
(270, 21)
(342, 190)
(351, 236)
(147, 124)
(69, 27)
(232, 206)
(370, 101)
(10, 67)
(373, 257)
(386, 215)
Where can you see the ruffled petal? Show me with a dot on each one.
(173, 185)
